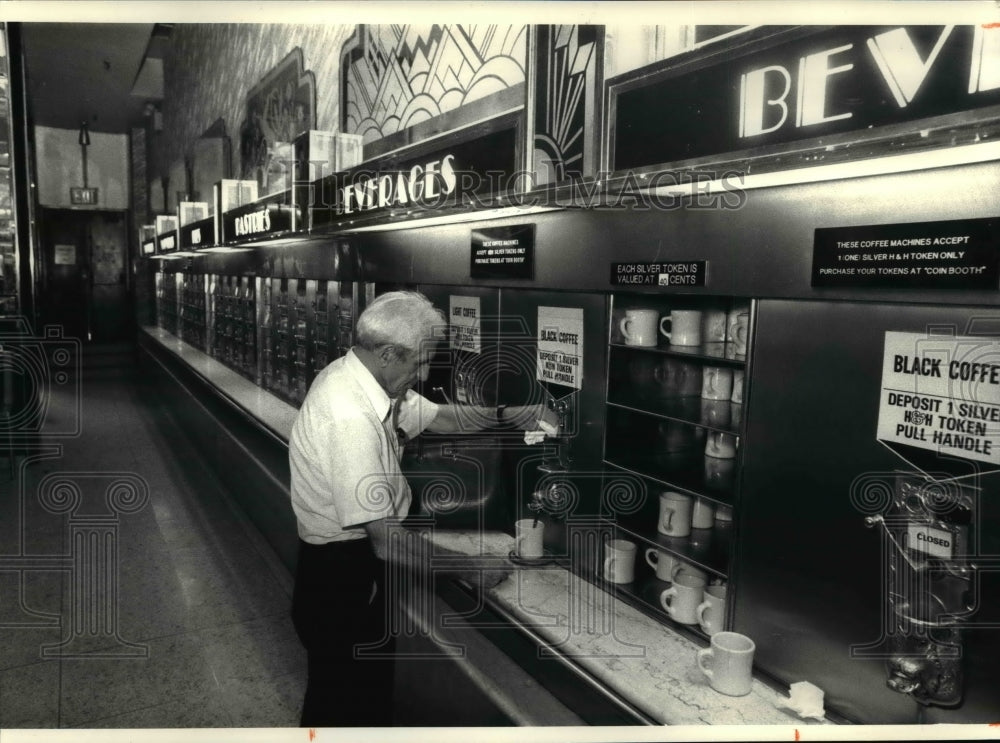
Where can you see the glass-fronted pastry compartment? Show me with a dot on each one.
(234, 323)
(193, 317)
(167, 298)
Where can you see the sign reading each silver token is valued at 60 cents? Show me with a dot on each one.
(942, 394)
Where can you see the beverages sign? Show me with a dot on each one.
(798, 86)
(462, 174)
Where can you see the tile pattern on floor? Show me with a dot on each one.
(195, 596)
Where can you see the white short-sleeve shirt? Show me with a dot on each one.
(344, 453)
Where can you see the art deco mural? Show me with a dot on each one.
(395, 76)
(565, 103)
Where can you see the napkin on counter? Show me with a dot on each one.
(806, 700)
(538, 435)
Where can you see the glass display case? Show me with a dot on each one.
(676, 376)
(167, 301)
(192, 310)
(231, 323)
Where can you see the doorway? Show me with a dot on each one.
(86, 285)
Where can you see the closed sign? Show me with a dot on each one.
(931, 541)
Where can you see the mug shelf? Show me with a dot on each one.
(712, 415)
(671, 453)
(707, 549)
(724, 353)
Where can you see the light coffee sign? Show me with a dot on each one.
(942, 394)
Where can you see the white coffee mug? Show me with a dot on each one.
(639, 327)
(720, 445)
(716, 413)
(717, 383)
(675, 514)
(713, 326)
(665, 564)
(737, 395)
(728, 663)
(686, 568)
(712, 610)
(703, 514)
(619, 561)
(723, 516)
(685, 327)
(720, 474)
(681, 600)
(731, 320)
(528, 534)
(739, 330)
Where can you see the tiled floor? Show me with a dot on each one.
(132, 592)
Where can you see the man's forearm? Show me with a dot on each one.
(472, 418)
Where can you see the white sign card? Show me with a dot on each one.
(942, 394)
(464, 323)
(930, 541)
(560, 345)
(65, 255)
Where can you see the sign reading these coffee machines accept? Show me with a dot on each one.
(503, 252)
(942, 394)
(952, 254)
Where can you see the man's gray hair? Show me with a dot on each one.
(402, 318)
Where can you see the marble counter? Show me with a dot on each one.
(276, 415)
(637, 658)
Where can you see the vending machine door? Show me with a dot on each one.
(812, 578)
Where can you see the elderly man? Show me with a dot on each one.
(347, 490)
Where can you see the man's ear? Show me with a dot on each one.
(386, 354)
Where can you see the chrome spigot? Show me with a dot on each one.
(557, 458)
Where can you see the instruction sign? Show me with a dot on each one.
(560, 345)
(953, 254)
(668, 273)
(503, 252)
(942, 394)
(464, 323)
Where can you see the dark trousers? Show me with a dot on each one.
(333, 613)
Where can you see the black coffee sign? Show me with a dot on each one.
(801, 84)
(954, 254)
(668, 273)
(503, 252)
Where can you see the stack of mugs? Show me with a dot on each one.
(643, 327)
(689, 599)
